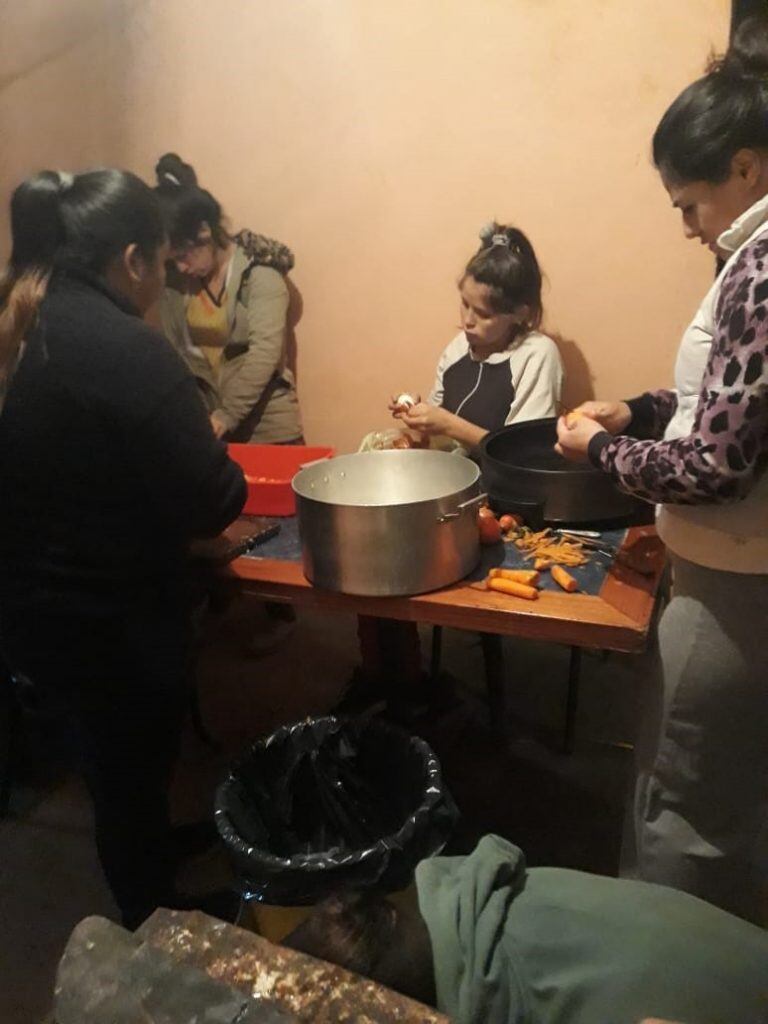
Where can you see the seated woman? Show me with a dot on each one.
(494, 942)
(499, 369)
(225, 310)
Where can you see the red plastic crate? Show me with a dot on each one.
(269, 470)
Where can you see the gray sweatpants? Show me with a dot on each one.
(701, 800)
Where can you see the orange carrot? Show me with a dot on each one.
(543, 563)
(564, 579)
(513, 587)
(528, 576)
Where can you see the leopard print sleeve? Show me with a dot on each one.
(727, 449)
(651, 412)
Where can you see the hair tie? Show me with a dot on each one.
(500, 240)
(167, 176)
(66, 180)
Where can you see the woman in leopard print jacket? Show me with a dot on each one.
(700, 452)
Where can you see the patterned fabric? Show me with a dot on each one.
(652, 413)
(265, 252)
(727, 451)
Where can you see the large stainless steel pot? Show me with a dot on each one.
(387, 523)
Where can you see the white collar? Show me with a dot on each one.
(744, 227)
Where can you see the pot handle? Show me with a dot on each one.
(448, 516)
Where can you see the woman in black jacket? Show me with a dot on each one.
(108, 469)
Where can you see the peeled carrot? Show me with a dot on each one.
(528, 576)
(564, 579)
(543, 563)
(512, 587)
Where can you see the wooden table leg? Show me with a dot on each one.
(572, 699)
(495, 680)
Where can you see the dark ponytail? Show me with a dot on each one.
(36, 234)
(719, 114)
(76, 223)
(186, 206)
(507, 265)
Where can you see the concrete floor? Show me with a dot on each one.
(560, 810)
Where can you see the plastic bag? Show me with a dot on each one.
(329, 803)
(383, 440)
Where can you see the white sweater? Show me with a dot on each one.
(523, 382)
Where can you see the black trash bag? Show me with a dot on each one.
(327, 804)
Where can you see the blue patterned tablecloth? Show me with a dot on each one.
(285, 547)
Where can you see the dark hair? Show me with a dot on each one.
(719, 114)
(366, 934)
(185, 205)
(507, 264)
(80, 222)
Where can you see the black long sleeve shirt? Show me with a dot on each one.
(108, 464)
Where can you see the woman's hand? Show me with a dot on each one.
(396, 408)
(573, 441)
(426, 419)
(612, 416)
(218, 426)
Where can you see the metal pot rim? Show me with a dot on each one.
(569, 469)
(456, 490)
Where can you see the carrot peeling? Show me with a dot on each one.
(528, 576)
(564, 579)
(505, 586)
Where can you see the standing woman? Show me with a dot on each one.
(108, 469)
(225, 310)
(701, 451)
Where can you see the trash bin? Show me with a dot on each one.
(332, 803)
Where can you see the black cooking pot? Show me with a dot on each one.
(523, 473)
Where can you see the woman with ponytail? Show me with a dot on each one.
(225, 310)
(500, 368)
(35, 232)
(108, 469)
(700, 453)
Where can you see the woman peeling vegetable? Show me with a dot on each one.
(700, 451)
(500, 368)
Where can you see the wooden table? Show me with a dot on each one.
(616, 619)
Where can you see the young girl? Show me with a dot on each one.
(500, 368)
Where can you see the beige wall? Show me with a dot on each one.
(375, 138)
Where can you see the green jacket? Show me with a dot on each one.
(551, 946)
(254, 392)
